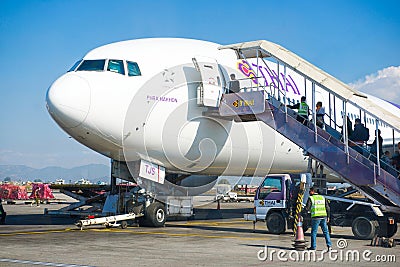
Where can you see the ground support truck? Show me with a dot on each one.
(275, 204)
(133, 206)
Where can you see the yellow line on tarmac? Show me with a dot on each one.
(179, 234)
(213, 223)
(36, 232)
(137, 231)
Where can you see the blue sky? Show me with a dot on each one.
(40, 40)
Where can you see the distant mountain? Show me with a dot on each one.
(91, 172)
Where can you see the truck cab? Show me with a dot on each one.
(272, 195)
(273, 200)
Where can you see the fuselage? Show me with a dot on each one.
(138, 99)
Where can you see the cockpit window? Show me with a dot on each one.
(116, 66)
(75, 65)
(133, 69)
(92, 65)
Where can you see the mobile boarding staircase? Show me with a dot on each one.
(363, 172)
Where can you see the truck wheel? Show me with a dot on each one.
(155, 215)
(124, 224)
(275, 223)
(364, 228)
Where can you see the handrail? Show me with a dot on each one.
(272, 91)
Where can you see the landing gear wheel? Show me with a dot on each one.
(275, 223)
(124, 224)
(364, 228)
(155, 215)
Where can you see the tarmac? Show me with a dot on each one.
(213, 238)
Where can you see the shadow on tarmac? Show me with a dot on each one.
(38, 219)
(215, 214)
(41, 219)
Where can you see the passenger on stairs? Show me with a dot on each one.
(387, 164)
(373, 145)
(349, 127)
(359, 136)
(320, 113)
(386, 158)
(234, 85)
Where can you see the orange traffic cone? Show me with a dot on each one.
(299, 242)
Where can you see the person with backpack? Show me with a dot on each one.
(359, 136)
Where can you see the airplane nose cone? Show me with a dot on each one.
(68, 100)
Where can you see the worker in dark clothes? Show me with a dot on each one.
(3, 214)
(319, 207)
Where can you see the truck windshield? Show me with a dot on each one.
(270, 185)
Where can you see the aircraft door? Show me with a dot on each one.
(210, 90)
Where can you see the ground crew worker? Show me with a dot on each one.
(3, 214)
(37, 196)
(303, 112)
(319, 207)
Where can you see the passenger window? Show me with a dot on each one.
(116, 66)
(133, 69)
(92, 65)
(75, 65)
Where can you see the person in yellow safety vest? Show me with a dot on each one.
(303, 111)
(319, 207)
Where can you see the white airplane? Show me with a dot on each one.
(141, 101)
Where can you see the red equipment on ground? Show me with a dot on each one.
(10, 191)
(43, 191)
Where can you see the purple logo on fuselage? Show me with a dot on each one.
(270, 76)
